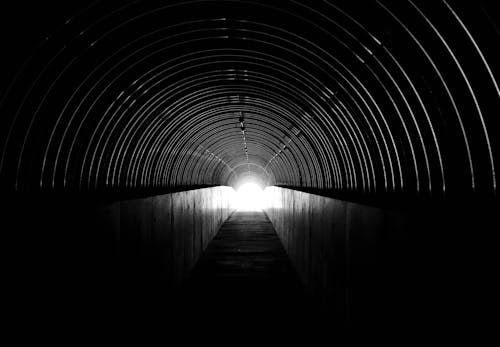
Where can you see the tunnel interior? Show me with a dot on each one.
(371, 126)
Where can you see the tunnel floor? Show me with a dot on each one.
(245, 272)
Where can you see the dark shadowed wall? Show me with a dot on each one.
(74, 256)
(406, 267)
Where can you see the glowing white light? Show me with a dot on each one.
(250, 197)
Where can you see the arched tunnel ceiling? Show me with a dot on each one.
(372, 97)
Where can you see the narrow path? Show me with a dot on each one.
(245, 272)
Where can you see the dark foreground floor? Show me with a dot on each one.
(245, 274)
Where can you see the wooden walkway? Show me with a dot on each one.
(245, 272)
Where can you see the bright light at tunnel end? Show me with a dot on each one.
(250, 197)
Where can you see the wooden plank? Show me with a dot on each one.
(245, 271)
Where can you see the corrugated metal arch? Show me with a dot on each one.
(335, 96)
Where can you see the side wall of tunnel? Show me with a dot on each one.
(67, 254)
(166, 233)
(367, 265)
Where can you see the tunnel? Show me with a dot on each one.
(371, 127)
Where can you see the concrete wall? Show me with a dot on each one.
(375, 267)
(163, 236)
(75, 255)
(333, 244)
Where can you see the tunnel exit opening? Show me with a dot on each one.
(250, 197)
